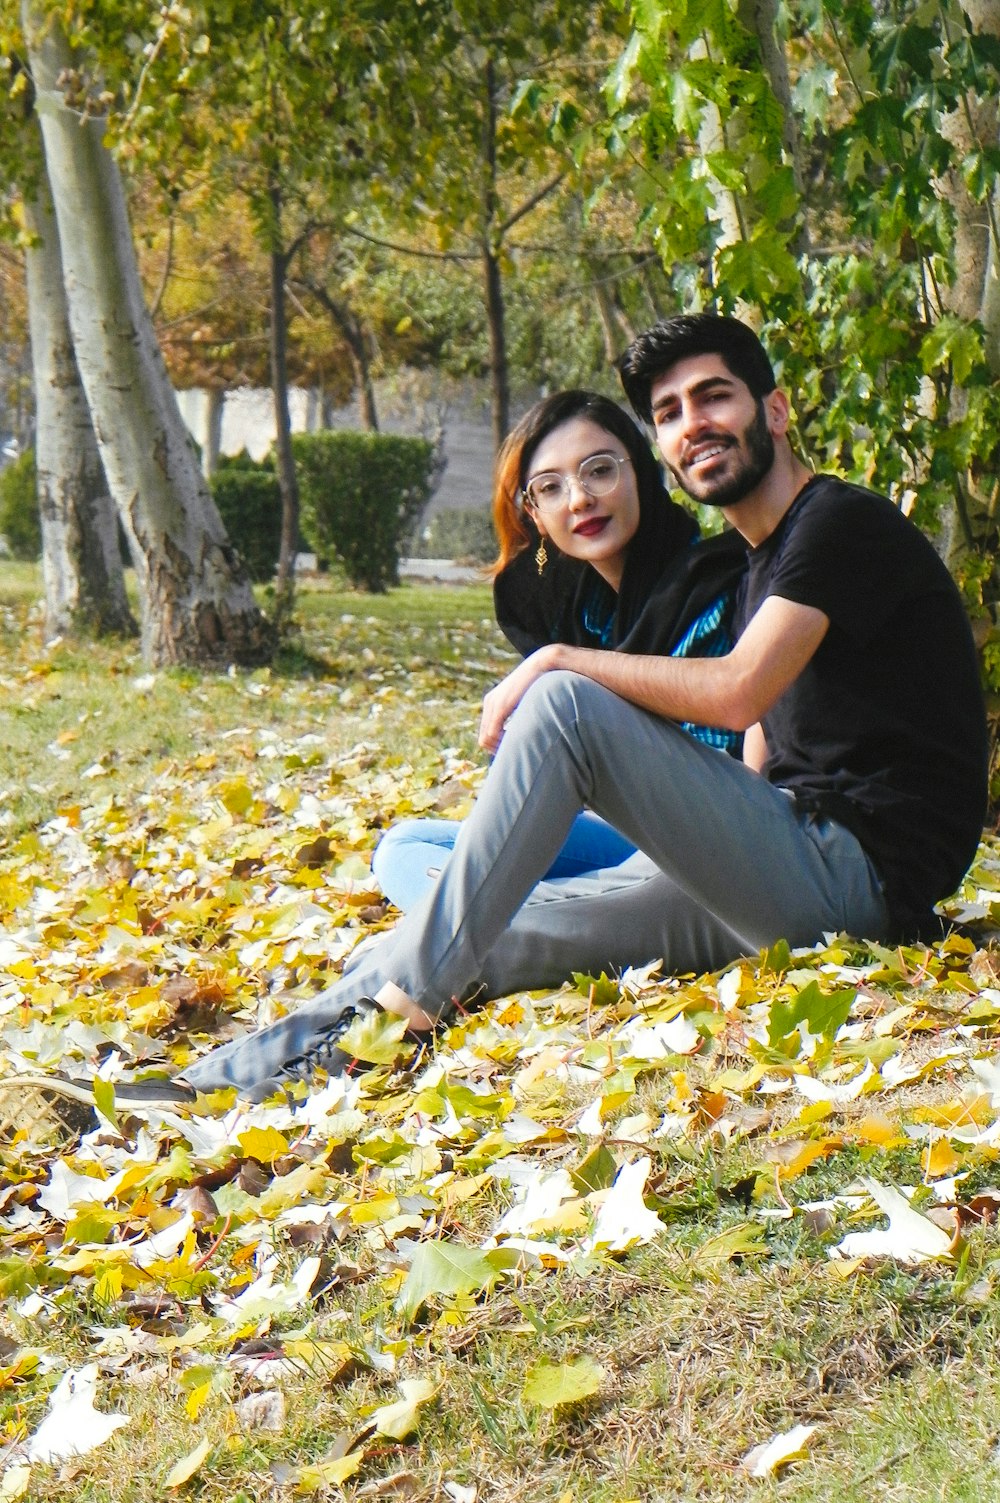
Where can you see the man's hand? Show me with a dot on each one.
(732, 691)
(502, 700)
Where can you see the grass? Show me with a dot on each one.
(352, 667)
(153, 830)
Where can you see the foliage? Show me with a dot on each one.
(831, 172)
(464, 534)
(20, 524)
(362, 494)
(597, 1242)
(249, 501)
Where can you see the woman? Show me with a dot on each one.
(594, 553)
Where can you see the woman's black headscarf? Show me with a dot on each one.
(671, 578)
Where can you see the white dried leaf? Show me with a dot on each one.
(73, 1426)
(764, 1460)
(827, 1090)
(909, 1237)
(987, 1072)
(66, 1190)
(539, 1201)
(660, 1040)
(262, 1411)
(624, 1220)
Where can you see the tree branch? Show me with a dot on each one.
(532, 202)
(409, 250)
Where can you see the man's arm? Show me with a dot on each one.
(734, 691)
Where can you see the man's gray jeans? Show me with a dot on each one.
(725, 866)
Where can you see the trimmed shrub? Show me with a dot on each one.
(20, 524)
(464, 535)
(361, 495)
(249, 502)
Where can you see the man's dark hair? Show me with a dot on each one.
(673, 339)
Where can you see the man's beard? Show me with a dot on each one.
(758, 444)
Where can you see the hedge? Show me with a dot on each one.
(361, 495)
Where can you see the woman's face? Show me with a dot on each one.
(596, 529)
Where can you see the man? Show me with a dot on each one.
(857, 807)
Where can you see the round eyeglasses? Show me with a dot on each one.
(598, 476)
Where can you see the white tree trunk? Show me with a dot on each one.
(215, 401)
(81, 557)
(975, 291)
(197, 603)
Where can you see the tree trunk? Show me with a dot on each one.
(197, 604)
(81, 556)
(357, 348)
(711, 138)
(616, 327)
(492, 279)
(287, 482)
(215, 401)
(975, 291)
(760, 18)
(352, 331)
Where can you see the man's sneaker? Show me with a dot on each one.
(285, 1053)
(152, 1091)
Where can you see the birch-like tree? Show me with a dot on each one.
(81, 553)
(196, 600)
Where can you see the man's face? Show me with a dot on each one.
(712, 433)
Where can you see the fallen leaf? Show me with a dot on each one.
(322, 1474)
(552, 1384)
(909, 1237)
(764, 1460)
(14, 1483)
(624, 1220)
(262, 1411)
(73, 1426)
(399, 1420)
(443, 1268)
(185, 1469)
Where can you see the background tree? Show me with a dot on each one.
(81, 552)
(196, 600)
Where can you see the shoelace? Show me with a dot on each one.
(323, 1050)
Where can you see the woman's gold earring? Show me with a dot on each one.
(541, 557)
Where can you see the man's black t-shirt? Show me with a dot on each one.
(884, 730)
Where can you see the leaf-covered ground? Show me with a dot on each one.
(714, 1237)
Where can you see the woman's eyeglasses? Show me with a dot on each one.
(598, 476)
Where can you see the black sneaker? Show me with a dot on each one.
(286, 1053)
(130, 1095)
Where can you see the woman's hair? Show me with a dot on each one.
(514, 528)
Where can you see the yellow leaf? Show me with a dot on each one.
(815, 1111)
(15, 1483)
(197, 1399)
(108, 1286)
(877, 1130)
(189, 1464)
(328, 1473)
(263, 1143)
(939, 1159)
(552, 1384)
(765, 1460)
(104, 1099)
(399, 1420)
(236, 797)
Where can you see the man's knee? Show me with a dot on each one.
(561, 696)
